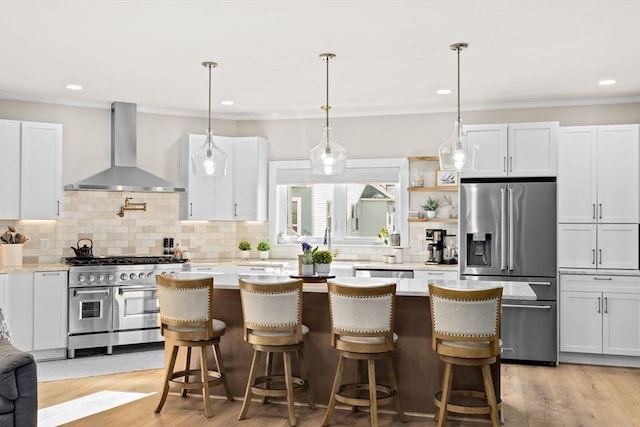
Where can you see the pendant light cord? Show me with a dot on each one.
(327, 94)
(209, 65)
(458, 49)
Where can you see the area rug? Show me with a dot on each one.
(84, 406)
(90, 366)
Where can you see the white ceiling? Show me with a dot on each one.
(391, 55)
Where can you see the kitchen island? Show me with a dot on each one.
(417, 366)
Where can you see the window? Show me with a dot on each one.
(350, 208)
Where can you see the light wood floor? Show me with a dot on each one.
(533, 396)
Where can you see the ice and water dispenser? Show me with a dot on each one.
(478, 249)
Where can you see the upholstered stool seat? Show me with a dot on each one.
(362, 330)
(272, 315)
(465, 332)
(186, 318)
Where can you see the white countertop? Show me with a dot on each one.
(405, 287)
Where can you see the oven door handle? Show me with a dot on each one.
(136, 289)
(538, 307)
(101, 291)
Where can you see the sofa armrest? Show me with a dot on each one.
(19, 383)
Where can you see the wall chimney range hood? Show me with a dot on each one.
(124, 175)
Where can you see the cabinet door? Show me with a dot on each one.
(581, 322)
(532, 149)
(10, 169)
(618, 246)
(621, 327)
(197, 201)
(618, 176)
(251, 178)
(41, 176)
(492, 150)
(49, 310)
(577, 245)
(577, 174)
(224, 185)
(19, 295)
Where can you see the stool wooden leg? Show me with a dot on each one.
(288, 375)
(334, 390)
(394, 387)
(218, 357)
(446, 391)
(358, 392)
(253, 373)
(187, 367)
(373, 392)
(303, 373)
(205, 381)
(491, 395)
(267, 372)
(167, 377)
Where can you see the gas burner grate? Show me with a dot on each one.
(123, 260)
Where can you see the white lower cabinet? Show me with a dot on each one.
(37, 312)
(599, 314)
(604, 246)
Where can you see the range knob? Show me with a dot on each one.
(110, 278)
(101, 278)
(141, 276)
(124, 276)
(81, 278)
(150, 274)
(92, 278)
(133, 276)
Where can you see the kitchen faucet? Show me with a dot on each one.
(327, 238)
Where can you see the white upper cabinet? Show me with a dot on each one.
(31, 170)
(599, 178)
(514, 150)
(239, 195)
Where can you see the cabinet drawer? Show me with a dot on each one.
(599, 283)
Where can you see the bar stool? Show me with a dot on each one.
(186, 318)
(465, 332)
(362, 329)
(272, 313)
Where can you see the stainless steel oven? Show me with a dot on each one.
(114, 300)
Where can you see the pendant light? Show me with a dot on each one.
(209, 159)
(328, 157)
(456, 153)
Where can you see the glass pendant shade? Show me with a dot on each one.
(209, 159)
(456, 153)
(328, 157)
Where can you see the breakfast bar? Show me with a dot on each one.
(417, 366)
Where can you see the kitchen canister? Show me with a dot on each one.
(397, 253)
(12, 255)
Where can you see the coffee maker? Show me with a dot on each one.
(435, 245)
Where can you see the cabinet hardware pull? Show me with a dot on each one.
(58, 208)
(599, 304)
(540, 283)
(600, 206)
(190, 208)
(600, 252)
(235, 209)
(536, 307)
(504, 164)
(593, 256)
(433, 273)
(593, 214)
(510, 163)
(602, 278)
(51, 273)
(606, 305)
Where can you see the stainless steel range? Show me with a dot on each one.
(114, 300)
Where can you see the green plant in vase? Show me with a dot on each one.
(322, 260)
(431, 206)
(263, 249)
(245, 249)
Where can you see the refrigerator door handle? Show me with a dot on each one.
(503, 229)
(511, 229)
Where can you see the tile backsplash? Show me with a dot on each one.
(92, 215)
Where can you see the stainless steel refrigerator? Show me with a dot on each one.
(508, 233)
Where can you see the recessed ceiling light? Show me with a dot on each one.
(443, 91)
(74, 87)
(607, 82)
(226, 102)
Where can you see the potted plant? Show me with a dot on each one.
(245, 249)
(322, 260)
(453, 211)
(431, 206)
(384, 235)
(263, 249)
(306, 259)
